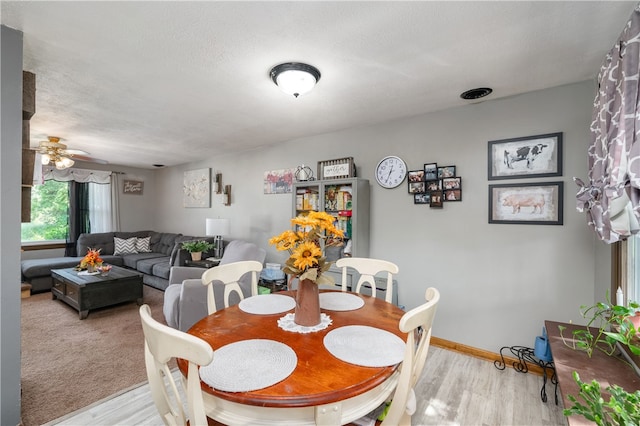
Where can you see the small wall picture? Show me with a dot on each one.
(453, 195)
(132, 187)
(417, 187)
(530, 156)
(452, 183)
(434, 185)
(526, 203)
(422, 198)
(446, 172)
(436, 198)
(430, 171)
(416, 175)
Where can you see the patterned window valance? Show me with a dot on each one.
(612, 197)
(78, 175)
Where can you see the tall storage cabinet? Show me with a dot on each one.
(345, 199)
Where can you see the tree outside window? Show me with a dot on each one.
(49, 212)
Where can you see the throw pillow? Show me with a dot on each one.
(123, 246)
(143, 245)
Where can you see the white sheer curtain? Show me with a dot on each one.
(100, 207)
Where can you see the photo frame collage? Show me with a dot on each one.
(435, 185)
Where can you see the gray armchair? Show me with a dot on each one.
(185, 300)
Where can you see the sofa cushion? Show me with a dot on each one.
(163, 242)
(146, 265)
(162, 269)
(102, 241)
(124, 246)
(133, 260)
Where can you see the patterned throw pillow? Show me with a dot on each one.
(143, 245)
(123, 246)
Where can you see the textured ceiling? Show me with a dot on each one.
(142, 83)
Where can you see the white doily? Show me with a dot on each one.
(267, 304)
(249, 365)
(339, 301)
(88, 273)
(364, 345)
(286, 323)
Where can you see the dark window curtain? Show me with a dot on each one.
(78, 216)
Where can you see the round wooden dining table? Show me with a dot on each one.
(322, 389)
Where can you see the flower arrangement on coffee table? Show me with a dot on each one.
(91, 261)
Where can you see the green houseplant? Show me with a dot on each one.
(614, 325)
(196, 248)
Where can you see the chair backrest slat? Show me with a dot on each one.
(230, 275)
(368, 268)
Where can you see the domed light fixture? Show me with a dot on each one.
(295, 78)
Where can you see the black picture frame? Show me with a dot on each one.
(430, 171)
(421, 198)
(436, 199)
(525, 157)
(451, 183)
(415, 175)
(451, 195)
(417, 187)
(434, 185)
(539, 203)
(446, 172)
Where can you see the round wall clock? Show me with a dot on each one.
(391, 171)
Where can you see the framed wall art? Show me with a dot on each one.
(132, 187)
(197, 188)
(431, 171)
(278, 181)
(530, 156)
(416, 175)
(417, 187)
(526, 203)
(446, 171)
(436, 198)
(422, 198)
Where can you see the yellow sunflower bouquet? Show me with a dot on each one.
(311, 232)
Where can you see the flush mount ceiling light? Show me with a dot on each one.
(295, 78)
(477, 93)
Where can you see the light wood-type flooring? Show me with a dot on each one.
(454, 389)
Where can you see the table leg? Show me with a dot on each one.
(139, 301)
(83, 314)
(329, 414)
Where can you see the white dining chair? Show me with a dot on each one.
(417, 323)
(368, 268)
(161, 344)
(229, 275)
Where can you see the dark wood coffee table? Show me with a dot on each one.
(85, 292)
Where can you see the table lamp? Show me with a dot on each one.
(217, 228)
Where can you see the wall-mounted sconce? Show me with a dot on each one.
(217, 181)
(227, 195)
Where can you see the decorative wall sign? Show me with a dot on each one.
(336, 169)
(526, 203)
(132, 187)
(531, 156)
(197, 188)
(278, 181)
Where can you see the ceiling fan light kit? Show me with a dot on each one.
(295, 78)
(54, 151)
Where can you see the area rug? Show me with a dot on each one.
(68, 363)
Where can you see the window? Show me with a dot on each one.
(49, 214)
(632, 290)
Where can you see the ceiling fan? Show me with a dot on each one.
(54, 151)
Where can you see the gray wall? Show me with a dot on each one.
(498, 282)
(10, 181)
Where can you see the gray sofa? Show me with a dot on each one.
(155, 266)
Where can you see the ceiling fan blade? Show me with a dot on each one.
(89, 159)
(76, 152)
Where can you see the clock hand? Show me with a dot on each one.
(389, 175)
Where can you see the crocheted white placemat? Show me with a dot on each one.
(88, 273)
(365, 346)
(267, 304)
(287, 323)
(339, 301)
(249, 365)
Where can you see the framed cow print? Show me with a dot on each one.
(530, 156)
(526, 203)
